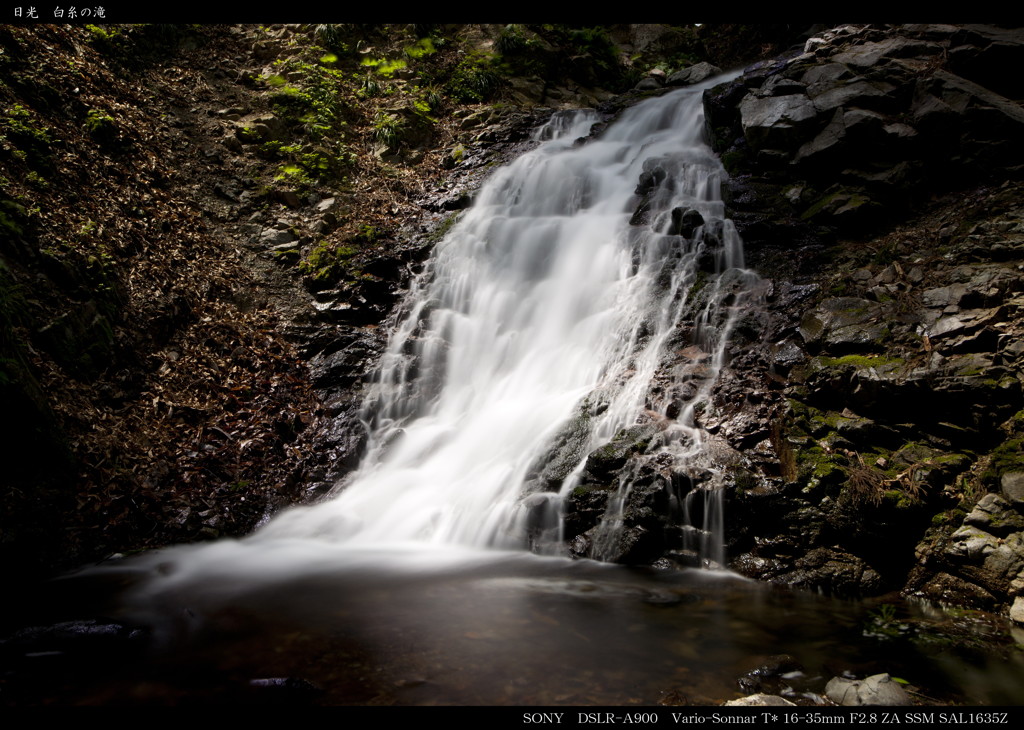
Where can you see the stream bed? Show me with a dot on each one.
(409, 625)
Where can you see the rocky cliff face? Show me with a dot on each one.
(875, 178)
(863, 122)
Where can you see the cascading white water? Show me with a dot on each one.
(543, 293)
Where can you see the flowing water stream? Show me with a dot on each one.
(550, 290)
(559, 293)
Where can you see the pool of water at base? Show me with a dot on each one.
(411, 626)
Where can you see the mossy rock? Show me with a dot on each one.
(602, 463)
(1005, 458)
(441, 229)
(565, 455)
(843, 207)
(816, 468)
(880, 363)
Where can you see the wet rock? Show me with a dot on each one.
(580, 546)
(946, 587)
(283, 690)
(879, 689)
(770, 677)
(584, 508)
(684, 222)
(567, 450)
(345, 358)
(605, 462)
(760, 700)
(835, 572)
(81, 643)
(631, 545)
(787, 354)
(542, 519)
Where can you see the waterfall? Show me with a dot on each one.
(564, 284)
(568, 340)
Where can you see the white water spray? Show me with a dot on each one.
(550, 289)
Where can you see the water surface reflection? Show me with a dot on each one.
(416, 625)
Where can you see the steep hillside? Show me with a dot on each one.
(152, 398)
